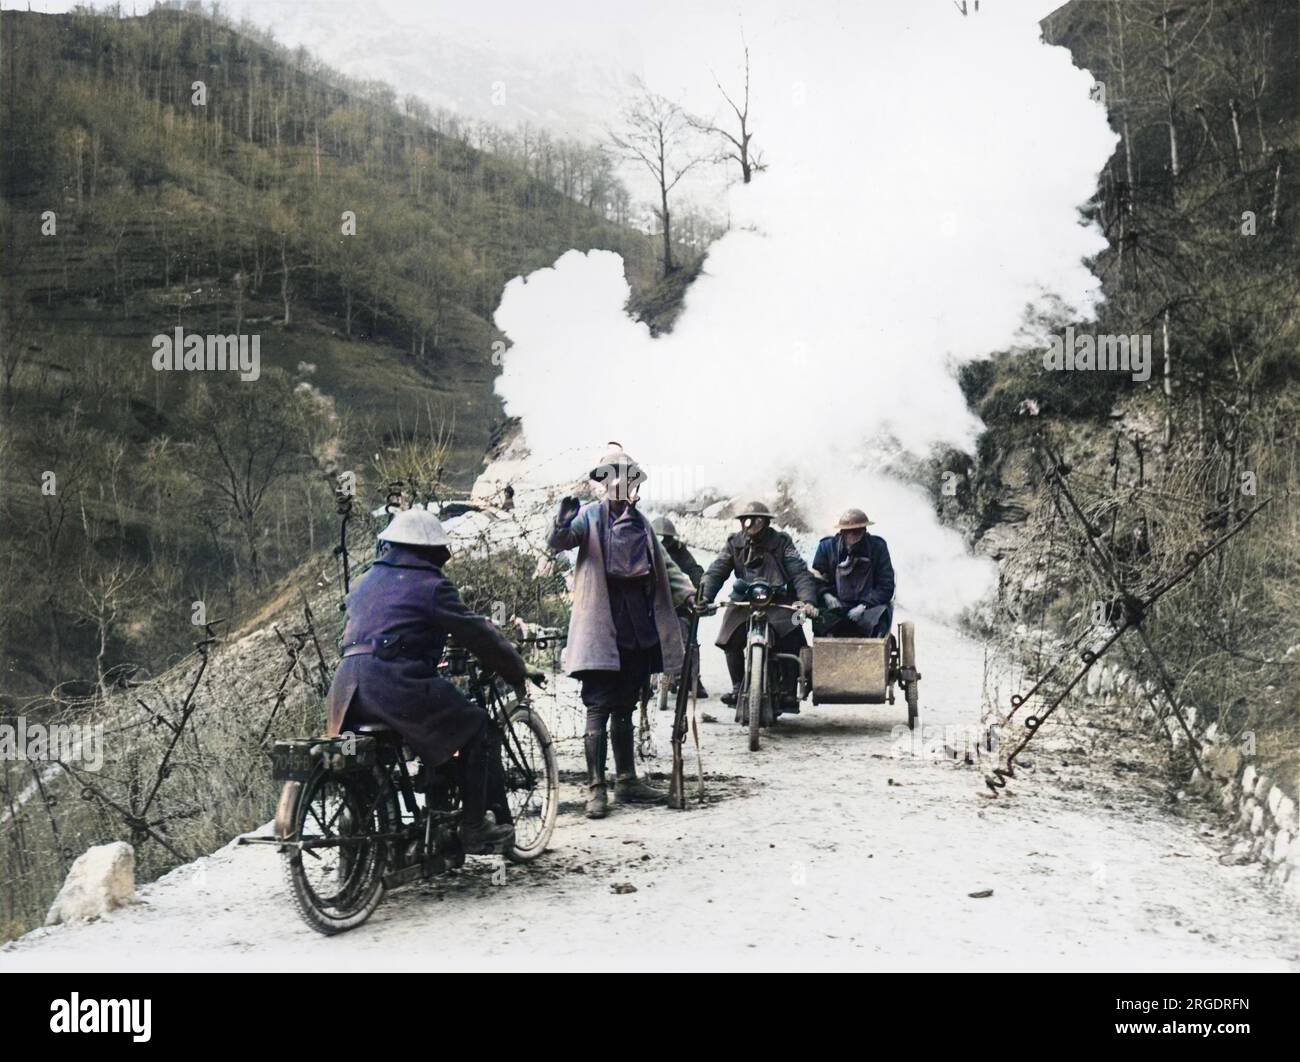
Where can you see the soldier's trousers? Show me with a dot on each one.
(611, 699)
(790, 642)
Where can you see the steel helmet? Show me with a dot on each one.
(853, 520)
(663, 527)
(754, 508)
(615, 456)
(415, 527)
(618, 473)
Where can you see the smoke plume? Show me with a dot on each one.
(925, 173)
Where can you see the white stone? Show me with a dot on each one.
(1257, 820)
(1261, 788)
(1286, 814)
(1248, 777)
(1281, 845)
(1211, 733)
(101, 880)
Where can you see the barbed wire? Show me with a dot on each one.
(1123, 576)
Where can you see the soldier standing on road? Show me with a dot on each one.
(623, 627)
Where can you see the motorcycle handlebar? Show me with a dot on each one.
(713, 606)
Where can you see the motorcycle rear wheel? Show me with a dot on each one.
(336, 886)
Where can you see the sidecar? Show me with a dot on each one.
(862, 670)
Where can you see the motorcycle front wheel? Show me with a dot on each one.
(532, 784)
(757, 687)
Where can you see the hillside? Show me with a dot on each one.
(1198, 204)
(173, 171)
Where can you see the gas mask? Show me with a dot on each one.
(617, 482)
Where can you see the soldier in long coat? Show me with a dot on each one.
(623, 627)
(399, 618)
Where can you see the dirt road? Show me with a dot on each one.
(825, 849)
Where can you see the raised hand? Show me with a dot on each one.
(569, 507)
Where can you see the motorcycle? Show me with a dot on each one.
(754, 700)
(350, 825)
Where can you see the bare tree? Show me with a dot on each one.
(257, 431)
(736, 144)
(657, 133)
(1178, 77)
(106, 590)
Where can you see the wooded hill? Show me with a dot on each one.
(172, 170)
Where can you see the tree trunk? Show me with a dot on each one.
(1170, 110)
(284, 277)
(1168, 381)
(1236, 133)
(1277, 192)
(668, 240)
(254, 560)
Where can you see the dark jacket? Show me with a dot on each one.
(771, 556)
(872, 581)
(399, 618)
(682, 557)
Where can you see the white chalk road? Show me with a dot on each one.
(831, 847)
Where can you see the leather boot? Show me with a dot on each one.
(597, 801)
(735, 654)
(486, 837)
(594, 747)
(479, 832)
(628, 788)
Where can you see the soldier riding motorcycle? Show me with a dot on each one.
(760, 553)
(399, 618)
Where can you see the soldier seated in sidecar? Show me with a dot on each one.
(855, 579)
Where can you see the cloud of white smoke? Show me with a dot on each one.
(925, 174)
